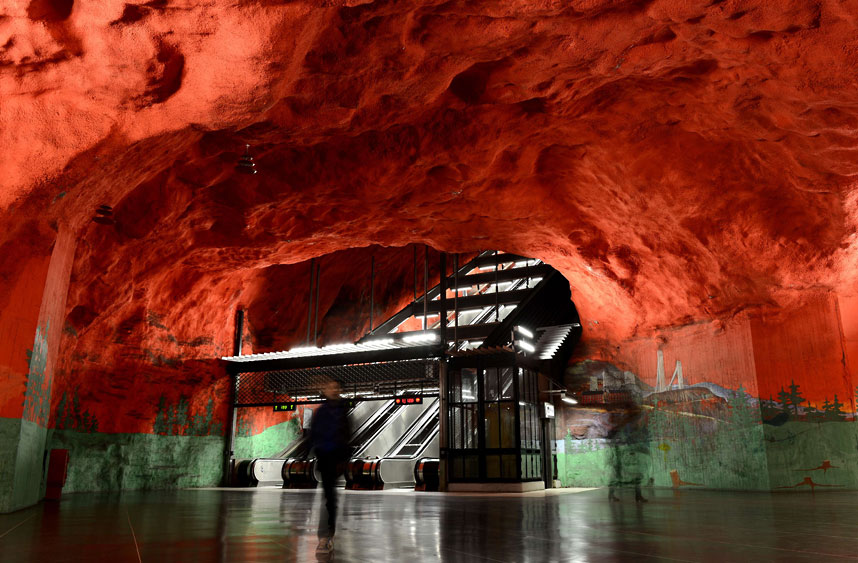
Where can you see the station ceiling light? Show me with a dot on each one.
(245, 163)
(524, 331)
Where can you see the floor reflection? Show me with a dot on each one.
(273, 525)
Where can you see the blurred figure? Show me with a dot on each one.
(629, 453)
(329, 437)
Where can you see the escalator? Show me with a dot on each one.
(397, 468)
(387, 439)
(364, 418)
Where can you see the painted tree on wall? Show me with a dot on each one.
(742, 414)
(833, 410)
(783, 397)
(176, 419)
(70, 416)
(791, 397)
(795, 397)
(37, 397)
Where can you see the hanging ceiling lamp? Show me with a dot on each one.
(245, 163)
(104, 215)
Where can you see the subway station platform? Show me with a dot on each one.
(558, 525)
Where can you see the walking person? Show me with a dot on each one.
(329, 437)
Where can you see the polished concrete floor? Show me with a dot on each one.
(275, 525)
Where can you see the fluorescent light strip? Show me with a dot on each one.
(305, 351)
(524, 331)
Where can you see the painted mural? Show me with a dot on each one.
(261, 432)
(37, 398)
(684, 431)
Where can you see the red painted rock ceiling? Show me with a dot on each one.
(676, 160)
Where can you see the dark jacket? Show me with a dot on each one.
(329, 430)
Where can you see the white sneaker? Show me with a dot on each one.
(326, 545)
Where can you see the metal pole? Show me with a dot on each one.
(442, 286)
(425, 286)
(316, 320)
(442, 425)
(497, 305)
(229, 461)
(310, 300)
(415, 272)
(371, 291)
(456, 301)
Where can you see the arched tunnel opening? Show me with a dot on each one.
(177, 177)
(453, 387)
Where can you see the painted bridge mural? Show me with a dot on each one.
(685, 433)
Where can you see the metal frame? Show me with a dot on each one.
(370, 367)
(482, 452)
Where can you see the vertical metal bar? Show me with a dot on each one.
(316, 319)
(415, 272)
(516, 400)
(456, 301)
(442, 424)
(497, 305)
(238, 341)
(425, 286)
(442, 287)
(371, 291)
(229, 457)
(481, 421)
(310, 300)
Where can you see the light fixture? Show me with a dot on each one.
(524, 331)
(245, 163)
(303, 349)
(567, 399)
(420, 338)
(104, 215)
(524, 345)
(378, 342)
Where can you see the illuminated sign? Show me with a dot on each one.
(291, 407)
(547, 410)
(409, 400)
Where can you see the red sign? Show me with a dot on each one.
(409, 400)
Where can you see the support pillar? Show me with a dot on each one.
(36, 267)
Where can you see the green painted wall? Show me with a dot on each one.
(112, 462)
(22, 464)
(734, 460)
(794, 456)
(797, 451)
(10, 433)
(269, 442)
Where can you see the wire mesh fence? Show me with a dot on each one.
(366, 381)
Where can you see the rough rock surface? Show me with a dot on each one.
(676, 160)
